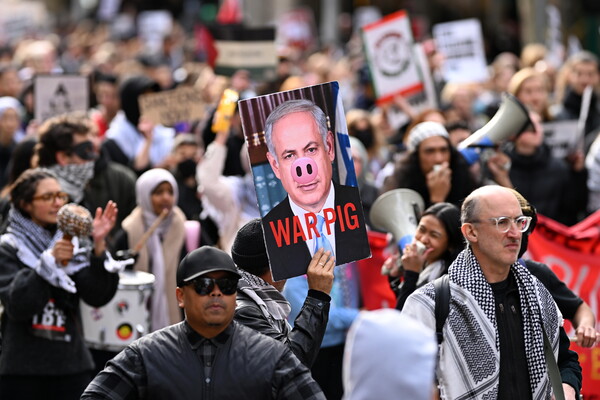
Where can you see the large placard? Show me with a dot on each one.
(304, 177)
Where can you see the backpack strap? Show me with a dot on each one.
(442, 304)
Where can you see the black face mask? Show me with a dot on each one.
(364, 135)
(186, 168)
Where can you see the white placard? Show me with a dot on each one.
(561, 136)
(59, 94)
(461, 43)
(388, 46)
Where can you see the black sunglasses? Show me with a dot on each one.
(205, 286)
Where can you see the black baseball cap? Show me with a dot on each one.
(202, 261)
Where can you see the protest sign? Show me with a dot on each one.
(19, 19)
(252, 49)
(561, 137)
(388, 47)
(59, 94)
(461, 43)
(304, 177)
(184, 104)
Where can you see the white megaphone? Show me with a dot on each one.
(511, 119)
(398, 212)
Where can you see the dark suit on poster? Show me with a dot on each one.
(292, 259)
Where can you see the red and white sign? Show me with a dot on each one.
(389, 50)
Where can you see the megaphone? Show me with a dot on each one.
(398, 212)
(511, 119)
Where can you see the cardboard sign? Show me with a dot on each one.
(561, 136)
(306, 185)
(388, 47)
(461, 43)
(60, 94)
(183, 104)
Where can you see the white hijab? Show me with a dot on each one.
(144, 187)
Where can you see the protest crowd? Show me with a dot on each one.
(130, 196)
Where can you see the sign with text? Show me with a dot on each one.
(389, 49)
(60, 94)
(461, 43)
(561, 137)
(304, 178)
(252, 49)
(184, 104)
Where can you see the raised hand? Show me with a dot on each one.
(104, 221)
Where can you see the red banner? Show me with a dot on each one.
(573, 253)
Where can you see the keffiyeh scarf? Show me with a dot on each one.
(272, 303)
(469, 365)
(73, 178)
(34, 249)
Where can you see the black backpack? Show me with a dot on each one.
(442, 304)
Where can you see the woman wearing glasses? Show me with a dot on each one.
(157, 193)
(438, 241)
(42, 278)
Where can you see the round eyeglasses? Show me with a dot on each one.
(503, 224)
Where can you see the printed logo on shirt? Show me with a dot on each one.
(51, 324)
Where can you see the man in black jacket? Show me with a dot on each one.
(208, 356)
(262, 307)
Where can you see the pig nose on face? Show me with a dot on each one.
(304, 170)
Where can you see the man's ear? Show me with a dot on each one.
(331, 145)
(179, 294)
(469, 232)
(274, 165)
(62, 158)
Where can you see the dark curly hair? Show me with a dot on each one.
(56, 134)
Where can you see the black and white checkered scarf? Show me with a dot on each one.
(271, 302)
(469, 366)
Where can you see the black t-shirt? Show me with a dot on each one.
(514, 374)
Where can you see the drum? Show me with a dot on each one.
(125, 318)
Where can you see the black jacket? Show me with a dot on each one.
(549, 184)
(305, 338)
(166, 364)
(25, 295)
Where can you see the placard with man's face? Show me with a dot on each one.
(304, 177)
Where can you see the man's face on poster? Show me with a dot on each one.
(296, 139)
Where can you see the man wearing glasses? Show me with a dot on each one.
(207, 356)
(500, 316)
